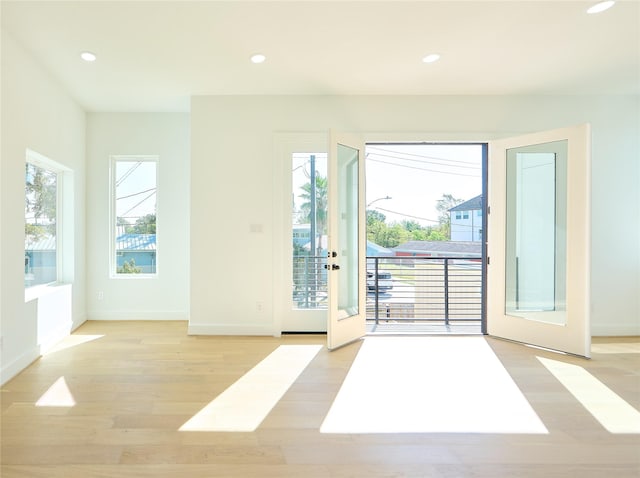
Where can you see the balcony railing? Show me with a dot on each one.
(403, 289)
(309, 282)
(433, 289)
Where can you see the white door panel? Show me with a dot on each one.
(539, 239)
(347, 241)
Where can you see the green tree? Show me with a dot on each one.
(40, 202)
(144, 225)
(320, 204)
(129, 267)
(375, 216)
(444, 218)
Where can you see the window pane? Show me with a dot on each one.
(135, 211)
(309, 221)
(536, 233)
(41, 197)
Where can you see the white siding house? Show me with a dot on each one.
(466, 220)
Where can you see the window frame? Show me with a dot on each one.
(113, 253)
(63, 176)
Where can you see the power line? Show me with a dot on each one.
(408, 215)
(135, 194)
(423, 156)
(426, 162)
(424, 169)
(426, 219)
(131, 209)
(128, 173)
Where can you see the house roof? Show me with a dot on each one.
(440, 247)
(470, 205)
(47, 243)
(136, 242)
(374, 249)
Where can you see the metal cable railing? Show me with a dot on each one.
(441, 289)
(402, 289)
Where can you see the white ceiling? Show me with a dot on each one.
(152, 56)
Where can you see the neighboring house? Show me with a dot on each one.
(466, 220)
(439, 249)
(141, 248)
(40, 261)
(301, 234)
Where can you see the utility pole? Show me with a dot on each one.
(312, 229)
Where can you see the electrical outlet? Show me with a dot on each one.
(259, 306)
(100, 295)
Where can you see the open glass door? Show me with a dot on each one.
(539, 246)
(346, 264)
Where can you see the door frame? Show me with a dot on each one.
(286, 143)
(283, 146)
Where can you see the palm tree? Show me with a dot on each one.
(320, 206)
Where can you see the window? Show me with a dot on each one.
(479, 213)
(134, 244)
(42, 191)
(465, 215)
(458, 215)
(309, 186)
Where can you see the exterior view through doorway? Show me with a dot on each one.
(426, 232)
(426, 236)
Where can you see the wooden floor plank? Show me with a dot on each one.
(135, 383)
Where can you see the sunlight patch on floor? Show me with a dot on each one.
(246, 403)
(612, 411)
(71, 341)
(429, 384)
(58, 395)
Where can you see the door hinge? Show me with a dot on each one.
(488, 260)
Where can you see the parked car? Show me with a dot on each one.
(385, 281)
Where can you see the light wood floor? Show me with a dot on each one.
(140, 381)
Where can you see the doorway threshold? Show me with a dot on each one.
(423, 328)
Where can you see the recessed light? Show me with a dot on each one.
(88, 56)
(431, 58)
(259, 58)
(601, 7)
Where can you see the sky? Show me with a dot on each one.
(135, 189)
(415, 176)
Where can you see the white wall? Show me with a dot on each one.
(166, 295)
(37, 114)
(232, 167)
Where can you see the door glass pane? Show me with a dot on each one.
(348, 225)
(309, 230)
(536, 232)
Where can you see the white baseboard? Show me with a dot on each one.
(231, 329)
(137, 315)
(12, 369)
(615, 330)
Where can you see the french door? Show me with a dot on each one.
(346, 261)
(538, 243)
